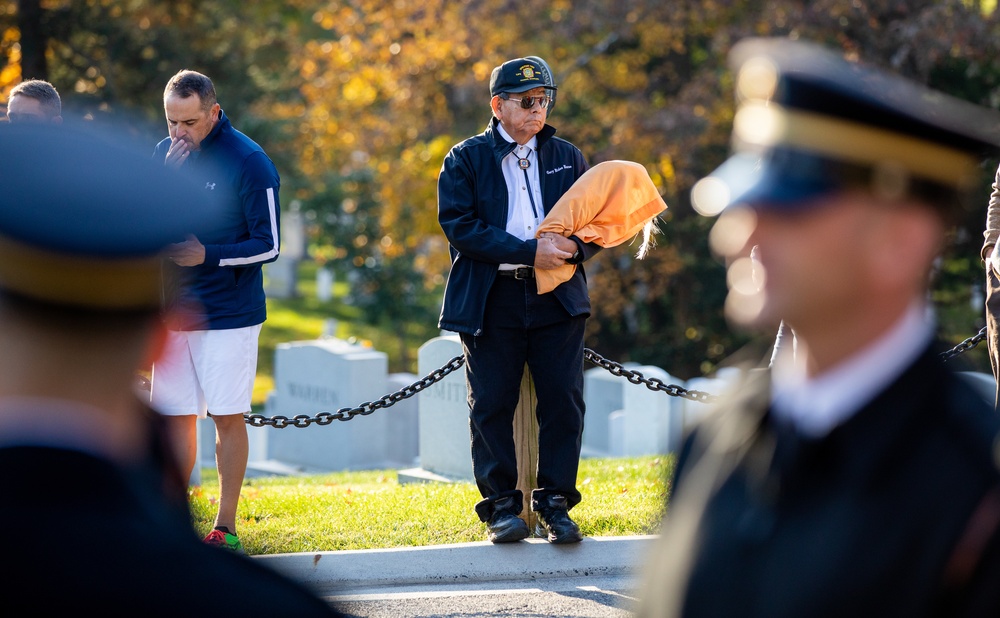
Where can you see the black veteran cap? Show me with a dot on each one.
(808, 122)
(519, 75)
(84, 220)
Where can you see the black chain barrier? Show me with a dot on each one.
(965, 346)
(346, 414)
(614, 368)
(653, 384)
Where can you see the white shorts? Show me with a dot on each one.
(204, 371)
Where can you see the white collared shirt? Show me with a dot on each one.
(816, 405)
(522, 219)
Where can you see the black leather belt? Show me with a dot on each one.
(524, 272)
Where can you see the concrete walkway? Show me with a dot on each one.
(342, 572)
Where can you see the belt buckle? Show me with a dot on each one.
(522, 273)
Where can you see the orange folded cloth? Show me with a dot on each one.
(609, 204)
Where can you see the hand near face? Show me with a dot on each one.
(178, 153)
(188, 253)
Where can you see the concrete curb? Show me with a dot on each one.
(464, 563)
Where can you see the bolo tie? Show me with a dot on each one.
(524, 164)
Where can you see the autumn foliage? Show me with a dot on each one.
(358, 101)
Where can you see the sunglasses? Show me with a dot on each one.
(528, 102)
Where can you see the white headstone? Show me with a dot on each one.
(293, 232)
(616, 434)
(653, 420)
(602, 393)
(717, 386)
(327, 375)
(403, 439)
(282, 277)
(445, 443)
(324, 284)
(282, 274)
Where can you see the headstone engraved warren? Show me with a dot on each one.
(326, 375)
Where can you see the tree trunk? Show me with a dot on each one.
(34, 40)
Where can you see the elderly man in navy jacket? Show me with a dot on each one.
(493, 191)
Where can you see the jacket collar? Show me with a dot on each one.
(222, 125)
(501, 147)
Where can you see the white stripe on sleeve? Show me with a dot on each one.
(261, 257)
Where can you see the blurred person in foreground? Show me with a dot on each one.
(990, 254)
(858, 476)
(210, 363)
(34, 101)
(94, 507)
(494, 190)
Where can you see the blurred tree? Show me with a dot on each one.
(111, 59)
(358, 101)
(34, 40)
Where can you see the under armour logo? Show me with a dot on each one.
(210, 186)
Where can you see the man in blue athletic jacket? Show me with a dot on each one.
(212, 356)
(493, 191)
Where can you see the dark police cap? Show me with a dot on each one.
(519, 75)
(809, 123)
(84, 219)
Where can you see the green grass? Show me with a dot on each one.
(369, 510)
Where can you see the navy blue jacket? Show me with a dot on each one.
(228, 288)
(472, 211)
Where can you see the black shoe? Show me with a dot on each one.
(554, 522)
(506, 527)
